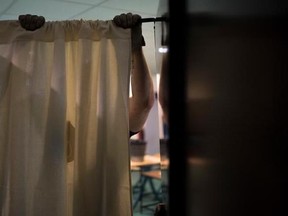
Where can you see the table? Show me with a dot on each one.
(149, 168)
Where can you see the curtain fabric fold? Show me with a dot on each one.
(64, 119)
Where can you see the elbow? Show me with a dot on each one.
(139, 111)
(142, 103)
(149, 102)
(163, 102)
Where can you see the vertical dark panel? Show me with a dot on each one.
(237, 86)
(228, 80)
(177, 110)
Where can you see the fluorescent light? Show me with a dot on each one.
(163, 50)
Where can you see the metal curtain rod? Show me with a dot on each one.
(156, 19)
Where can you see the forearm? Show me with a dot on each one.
(141, 81)
(142, 98)
(163, 87)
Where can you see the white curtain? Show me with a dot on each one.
(64, 119)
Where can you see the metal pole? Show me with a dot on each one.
(156, 19)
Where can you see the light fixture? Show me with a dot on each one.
(163, 49)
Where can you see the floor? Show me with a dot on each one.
(149, 199)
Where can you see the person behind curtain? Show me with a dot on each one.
(142, 99)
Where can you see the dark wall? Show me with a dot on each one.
(237, 115)
(228, 109)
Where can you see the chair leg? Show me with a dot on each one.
(141, 195)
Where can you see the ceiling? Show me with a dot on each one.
(54, 10)
(77, 9)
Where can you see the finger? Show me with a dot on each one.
(28, 18)
(129, 19)
(30, 21)
(123, 20)
(136, 19)
(40, 21)
(31, 26)
(117, 20)
(34, 20)
(21, 17)
(120, 20)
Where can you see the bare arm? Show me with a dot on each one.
(142, 98)
(163, 87)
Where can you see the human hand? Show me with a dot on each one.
(31, 22)
(132, 21)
